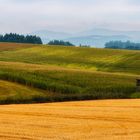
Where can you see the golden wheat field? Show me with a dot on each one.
(86, 120)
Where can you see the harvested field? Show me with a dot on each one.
(86, 120)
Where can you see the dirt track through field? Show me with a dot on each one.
(86, 120)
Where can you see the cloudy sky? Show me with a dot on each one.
(23, 16)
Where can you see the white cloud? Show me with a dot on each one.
(68, 15)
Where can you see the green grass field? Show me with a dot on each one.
(35, 73)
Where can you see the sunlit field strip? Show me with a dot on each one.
(88, 120)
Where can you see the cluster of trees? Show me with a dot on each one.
(122, 45)
(84, 46)
(16, 38)
(60, 42)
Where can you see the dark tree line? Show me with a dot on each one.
(60, 42)
(84, 46)
(16, 38)
(122, 45)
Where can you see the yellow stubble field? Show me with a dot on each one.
(85, 120)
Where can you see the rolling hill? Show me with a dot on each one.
(55, 73)
(94, 37)
(47, 35)
(96, 40)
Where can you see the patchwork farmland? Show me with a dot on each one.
(55, 73)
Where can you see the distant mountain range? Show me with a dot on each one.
(51, 35)
(95, 37)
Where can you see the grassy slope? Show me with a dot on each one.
(11, 92)
(71, 73)
(85, 58)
